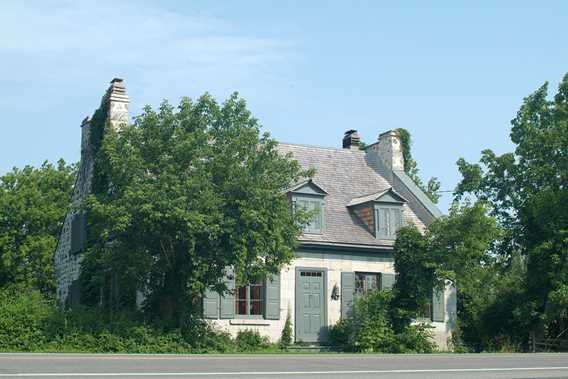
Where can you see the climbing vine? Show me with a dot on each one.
(432, 188)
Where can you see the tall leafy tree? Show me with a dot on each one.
(455, 248)
(527, 191)
(193, 191)
(33, 203)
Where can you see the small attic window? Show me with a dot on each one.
(389, 219)
(311, 197)
(316, 207)
(382, 212)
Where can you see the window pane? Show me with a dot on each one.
(241, 301)
(365, 282)
(256, 299)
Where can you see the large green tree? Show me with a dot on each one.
(191, 191)
(455, 249)
(33, 203)
(527, 191)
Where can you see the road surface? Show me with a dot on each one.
(284, 366)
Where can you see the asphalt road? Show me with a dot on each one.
(284, 366)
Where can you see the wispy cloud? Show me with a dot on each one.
(67, 40)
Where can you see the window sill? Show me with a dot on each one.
(243, 321)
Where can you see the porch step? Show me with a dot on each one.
(311, 348)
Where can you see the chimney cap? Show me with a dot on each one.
(391, 132)
(351, 139)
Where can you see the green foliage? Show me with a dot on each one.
(416, 269)
(29, 322)
(251, 340)
(370, 329)
(432, 188)
(458, 249)
(33, 203)
(23, 316)
(286, 338)
(527, 193)
(194, 190)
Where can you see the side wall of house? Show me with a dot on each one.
(333, 264)
(67, 265)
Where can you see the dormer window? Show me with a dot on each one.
(389, 219)
(382, 213)
(316, 207)
(310, 197)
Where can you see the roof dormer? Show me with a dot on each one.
(382, 213)
(310, 196)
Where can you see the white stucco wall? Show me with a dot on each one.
(334, 265)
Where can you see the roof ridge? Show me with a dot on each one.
(322, 147)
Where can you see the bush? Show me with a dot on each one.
(24, 315)
(28, 322)
(286, 338)
(251, 340)
(370, 329)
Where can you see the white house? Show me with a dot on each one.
(363, 197)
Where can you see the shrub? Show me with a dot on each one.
(286, 338)
(28, 322)
(370, 329)
(24, 315)
(251, 340)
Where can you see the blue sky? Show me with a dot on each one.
(453, 74)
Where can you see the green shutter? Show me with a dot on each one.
(228, 298)
(438, 313)
(272, 298)
(78, 233)
(347, 293)
(387, 281)
(210, 304)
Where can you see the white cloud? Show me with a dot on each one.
(69, 41)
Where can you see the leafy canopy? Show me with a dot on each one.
(527, 191)
(33, 203)
(192, 191)
(453, 249)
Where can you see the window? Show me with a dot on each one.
(367, 281)
(316, 207)
(389, 219)
(249, 300)
(78, 233)
(425, 312)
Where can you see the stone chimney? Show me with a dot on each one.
(389, 150)
(351, 140)
(118, 103)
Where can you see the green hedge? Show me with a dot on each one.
(30, 323)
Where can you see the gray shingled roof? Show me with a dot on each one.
(345, 174)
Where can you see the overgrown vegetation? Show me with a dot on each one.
(504, 244)
(526, 192)
(220, 205)
(371, 328)
(33, 203)
(29, 322)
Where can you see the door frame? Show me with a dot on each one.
(323, 270)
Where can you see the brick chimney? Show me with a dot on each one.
(389, 150)
(351, 140)
(118, 103)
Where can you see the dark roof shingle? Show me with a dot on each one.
(345, 174)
